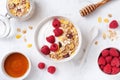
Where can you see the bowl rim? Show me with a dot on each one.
(39, 26)
(10, 77)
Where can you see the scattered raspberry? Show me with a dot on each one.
(105, 53)
(113, 24)
(41, 65)
(115, 62)
(51, 69)
(58, 32)
(50, 39)
(101, 61)
(107, 69)
(115, 70)
(114, 52)
(45, 50)
(54, 47)
(56, 23)
(108, 59)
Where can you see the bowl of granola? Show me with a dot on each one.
(20, 9)
(57, 39)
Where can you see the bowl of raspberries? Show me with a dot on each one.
(57, 39)
(109, 61)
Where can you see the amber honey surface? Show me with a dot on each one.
(16, 65)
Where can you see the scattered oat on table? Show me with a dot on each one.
(18, 36)
(18, 30)
(96, 42)
(24, 31)
(30, 27)
(99, 19)
(104, 35)
(110, 15)
(106, 20)
(29, 45)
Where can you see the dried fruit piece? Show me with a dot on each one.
(56, 23)
(50, 39)
(54, 47)
(113, 24)
(107, 69)
(106, 20)
(45, 50)
(101, 61)
(41, 65)
(51, 69)
(114, 52)
(58, 32)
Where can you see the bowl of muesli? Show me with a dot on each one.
(20, 9)
(57, 39)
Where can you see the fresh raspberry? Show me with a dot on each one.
(115, 62)
(45, 50)
(114, 52)
(54, 47)
(105, 53)
(56, 23)
(101, 61)
(108, 59)
(50, 39)
(51, 69)
(107, 69)
(41, 65)
(115, 70)
(58, 32)
(113, 24)
(101, 67)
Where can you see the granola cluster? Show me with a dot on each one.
(18, 7)
(67, 42)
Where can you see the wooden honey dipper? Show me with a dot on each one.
(90, 8)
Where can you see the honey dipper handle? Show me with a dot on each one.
(102, 3)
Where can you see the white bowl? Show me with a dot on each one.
(41, 28)
(27, 15)
(13, 78)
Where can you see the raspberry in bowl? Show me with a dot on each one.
(109, 61)
(57, 39)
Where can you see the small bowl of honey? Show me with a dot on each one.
(16, 66)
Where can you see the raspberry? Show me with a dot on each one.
(107, 69)
(108, 59)
(51, 69)
(54, 47)
(105, 53)
(58, 32)
(115, 62)
(114, 52)
(56, 23)
(113, 24)
(41, 65)
(115, 70)
(101, 67)
(50, 39)
(101, 61)
(45, 50)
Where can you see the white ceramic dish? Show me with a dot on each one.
(12, 78)
(44, 29)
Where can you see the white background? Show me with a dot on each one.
(69, 8)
